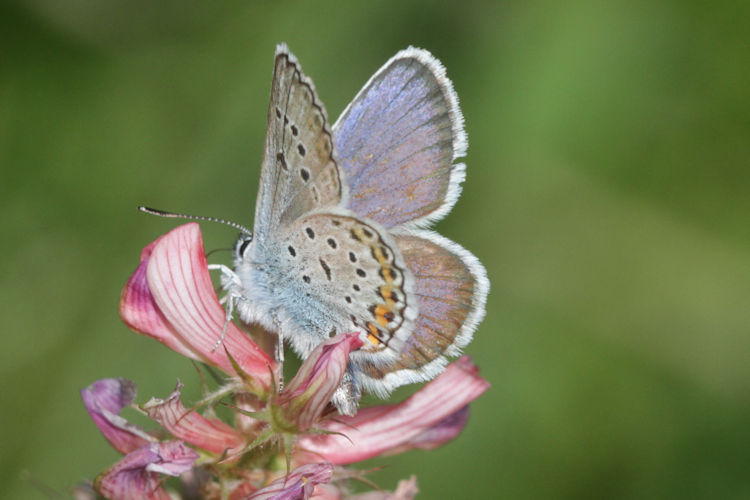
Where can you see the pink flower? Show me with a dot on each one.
(297, 485)
(170, 297)
(406, 490)
(104, 400)
(210, 434)
(137, 474)
(305, 398)
(432, 416)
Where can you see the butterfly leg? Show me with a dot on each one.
(279, 348)
(228, 277)
(232, 284)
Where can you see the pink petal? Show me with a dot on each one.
(171, 298)
(406, 490)
(181, 284)
(136, 475)
(327, 492)
(444, 431)
(378, 430)
(210, 434)
(298, 485)
(104, 399)
(139, 311)
(307, 395)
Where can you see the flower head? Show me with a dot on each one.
(170, 297)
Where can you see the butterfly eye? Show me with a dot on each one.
(243, 244)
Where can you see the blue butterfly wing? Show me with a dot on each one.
(398, 140)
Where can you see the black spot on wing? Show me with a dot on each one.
(326, 268)
(280, 157)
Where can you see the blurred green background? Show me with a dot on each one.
(607, 195)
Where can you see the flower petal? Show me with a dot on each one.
(136, 475)
(182, 288)
(306, 396)
(381, 429)
(139, 311)
(104, 399)
(171, 298)
(444, 431)
(406, 490)
(327, 492)
(298, 485)
(210, 434)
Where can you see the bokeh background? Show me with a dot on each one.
(607, 195)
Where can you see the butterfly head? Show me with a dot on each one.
(243, 245)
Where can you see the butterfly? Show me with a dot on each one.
(340, 243)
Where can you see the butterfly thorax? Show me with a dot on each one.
(270, 298)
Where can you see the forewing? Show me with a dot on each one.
(299, 172)
(451, 287)
(397, 142)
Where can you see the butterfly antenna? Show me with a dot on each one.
(173, 215)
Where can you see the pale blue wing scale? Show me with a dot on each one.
(398, 140)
